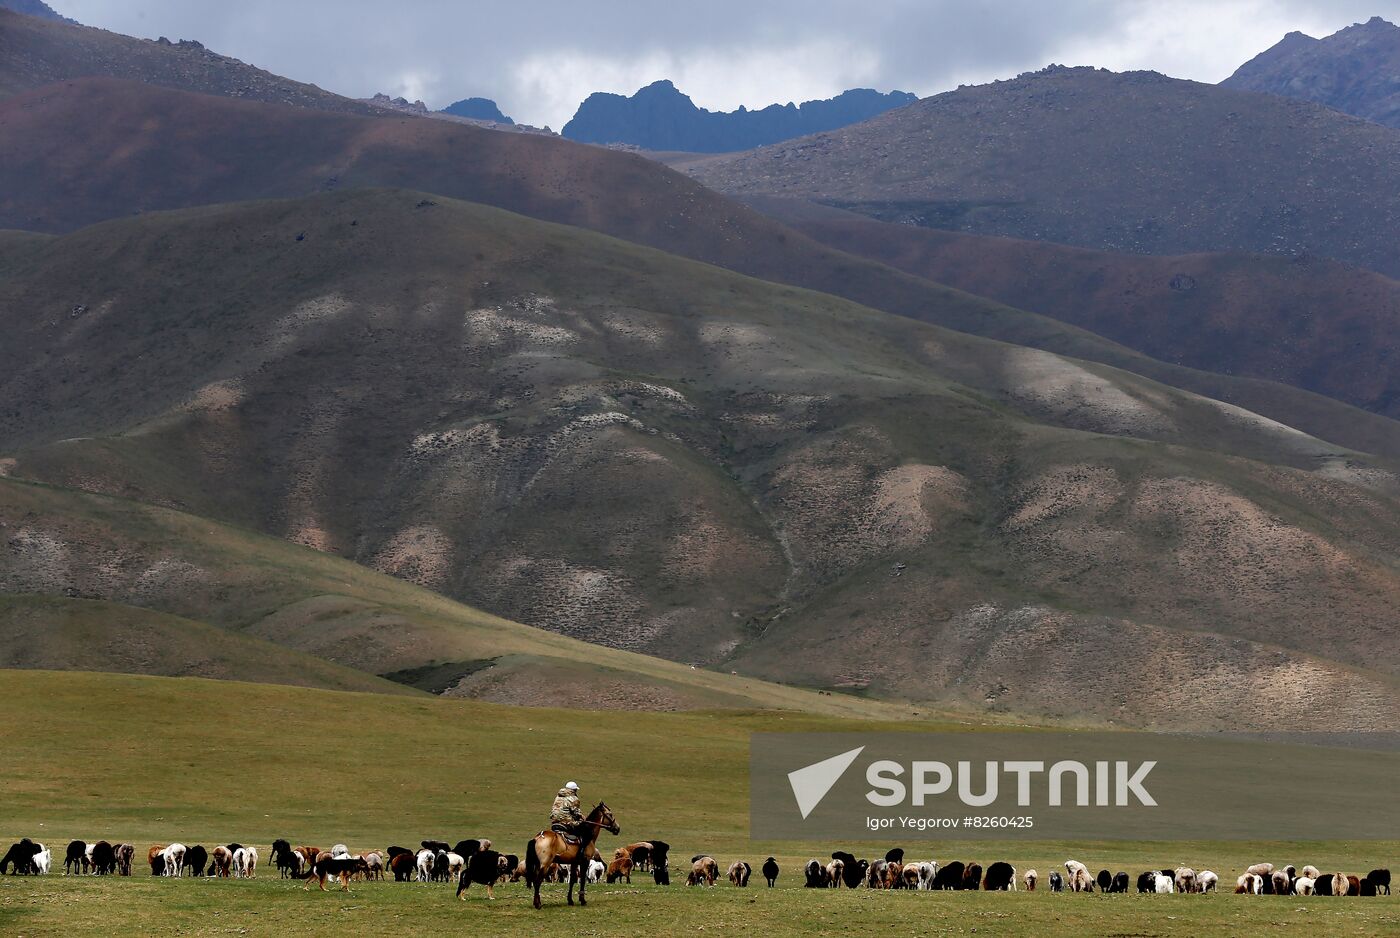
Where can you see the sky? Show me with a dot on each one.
(538, 59)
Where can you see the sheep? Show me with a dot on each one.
(1185, 879)
(739, 873)
(950, 876)
(1330, 884)
(770, 871)
(340, 852)
(1147, 882)
(1281, 883)
(1031, 877)
(1303, 886)
(425, 862)
(704, 870)
(875, 876)
(853, 870)
(1207, 881)
(1105, 880)
(1249, 884)
(972, 877)
(596, 870)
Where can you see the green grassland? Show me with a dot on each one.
(154, 759)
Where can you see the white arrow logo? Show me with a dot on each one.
(810, 784)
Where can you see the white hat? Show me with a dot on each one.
(572, 786)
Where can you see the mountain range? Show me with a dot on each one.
(391, 403)
(660, 117)
(1356, 70)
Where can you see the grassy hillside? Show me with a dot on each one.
(656, 455)
(271, 605)
(1131, 161)
(92, 635)
(405, 769)
(70, 158)
(1304, 321)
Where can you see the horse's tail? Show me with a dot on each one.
(532, 863)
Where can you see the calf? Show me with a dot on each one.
(620, 868)
(770, 872)
(402, 866)
(74, 857)
(1031, 877)
(703, 871)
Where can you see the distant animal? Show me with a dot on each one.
(597, 869)
(105, 861)
(1330, 884)
(374, 861)
(510, 864)
(1353, 883)
(1311, 872)
(972, 876)
(835, 873)
(42, 860)
(73, 858)
(815, 874)
(1147, 882)
(433, 845)
(287, 860)
(196, 858)
(483, 869)
(1120, 882)
(1207, 881)
(425, 861)
(308, 857)
(1303, 886)
(875, 876)
(1056, 883)
(895, 856)
(950, 876)
(620, 868)
(1078, 876)
(465, 848)
(1185, 879)
(125, 853)
(245, 862)
(739, 873)
(1163, 884)
(703, 871)
(1105, 880)
(341, 868)
(338, 852)
(1380, 881)
(910, 878)
(442, 865)
(174, 859)
(20, 857)
(1030, 878)
(1249, 884)
(892, 876)
(221, 862)
(402, 866)
(928, 869)
(660, 872)
(1000, 876)
(1280, 883)
(659, 853)
(770, 872)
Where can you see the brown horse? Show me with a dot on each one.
(549, 847)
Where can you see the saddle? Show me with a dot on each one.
(567, 833)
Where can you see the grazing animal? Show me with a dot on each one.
(619, 869)
(597, 869)
(835, 873)
(875, 876)
(245, 862)
(1030, 878)
(1079, 878)
(1261, 869)
(549, 847)
(703, 871)
(1000, 876)
(972, 877)
(739, 873)
(1311, 872)
(894, 876)
(41, 860)
(770, 872)
(1147, 882)
(895, 856)
(341, 868)
(433, 845)
(1056, 883)
(852, 870)
(195, 859)
(950, 876)
(125, 853)
(1120, 882)
(104, 860)
(909, 876)
(659, 853)
(74, 857)
(456, 864)
(815, 874)
(338, 852)
(1280, 883)
(1353, 884)
(1303, 886)
(221, 862)
(156, 859)
(1380, 881)
(1105, 880)
(425, 861)
(465, 848)
(174, 859)
(1163, 884)
(374, 860)
(928, 869)
(510, 867)
(1249, 884)
(402, 866)
(1330, 884)
(287, 860)
(1207, 881)
(1185, 879)
(483, 869)
(20, 856)
(660, 873)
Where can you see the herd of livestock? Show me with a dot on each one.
(472, 861)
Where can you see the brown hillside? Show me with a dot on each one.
(1304, 321)
(648, 453)
(1127, 162)
(36, 51)
(68, 157)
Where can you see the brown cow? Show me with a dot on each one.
(703, 870)
(620, 867)
(221, 861)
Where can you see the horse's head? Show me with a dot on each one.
(602, 815)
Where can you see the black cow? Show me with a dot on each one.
(465, 848)
(440, 867)
(770, 871)
(1379, 882)
(1105, 880)
(1120, 883)
(196, 858)
(484, 868)
(434, 845)
(287, 860)
(972, 877)
(104, 858)
(158, 865)
(1000, 876)
(21, 856)
(1057, 883)
(75, 857)
(950, 876)
(1147, 882)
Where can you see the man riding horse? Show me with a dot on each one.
(569, 842)
(565, 817)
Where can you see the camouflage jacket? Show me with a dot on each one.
(565, 810)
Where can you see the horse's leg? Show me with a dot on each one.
(573, 875)
(582, 882)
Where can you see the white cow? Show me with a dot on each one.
(245, 862)
(1207, 881)
(174, 856)
(1163, 884)
(425, 865)
(42, 859)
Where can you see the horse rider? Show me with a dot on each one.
(565, 818)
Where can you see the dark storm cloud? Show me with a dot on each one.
(539, 58)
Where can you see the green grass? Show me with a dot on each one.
(155, 759)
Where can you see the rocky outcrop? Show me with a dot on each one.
(660, 117)
(480, 109)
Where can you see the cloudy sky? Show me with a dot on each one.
(540, 58)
